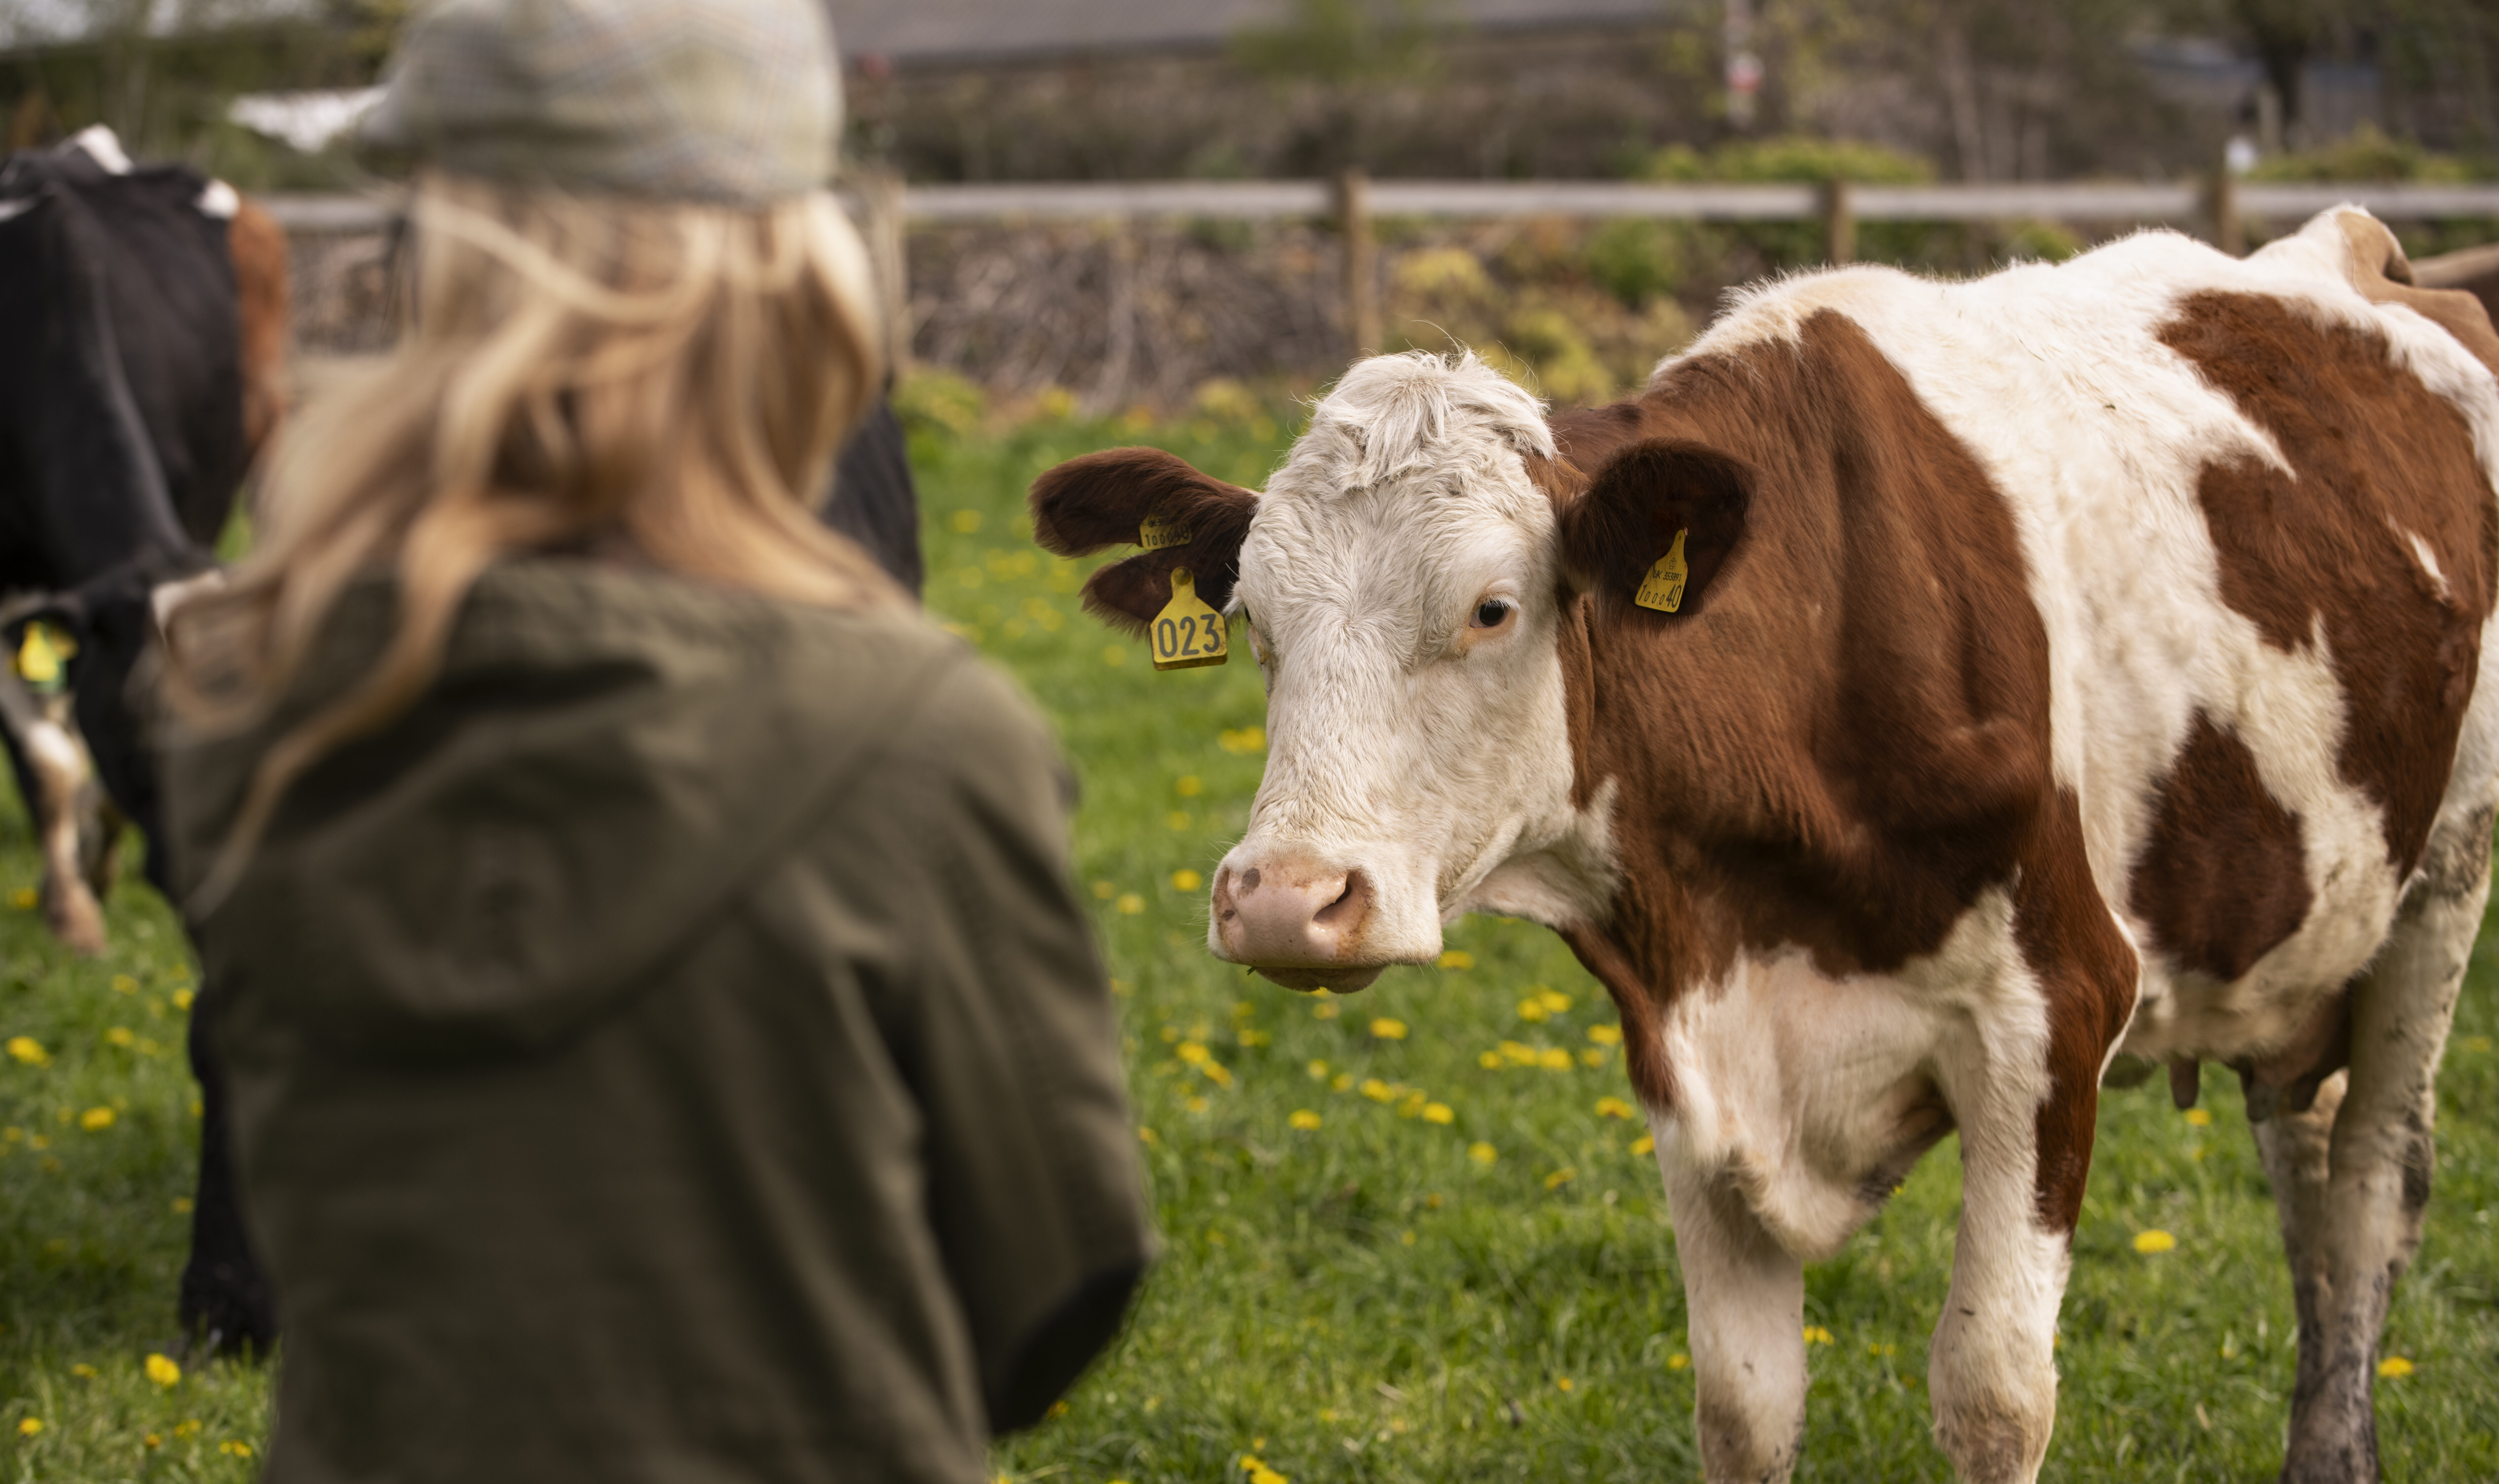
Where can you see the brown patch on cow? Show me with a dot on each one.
(1851, 743)
(2378, 459)
(2224, 875)
(257, 243)
(1100, 500)
(1636, 1003)
(2089, 976)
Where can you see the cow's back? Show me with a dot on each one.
(2256, 501)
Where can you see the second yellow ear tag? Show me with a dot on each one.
(1663, 588)
(43, 654)
(1156, 531)
(1186, 633)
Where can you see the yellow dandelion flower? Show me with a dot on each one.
(28, 1050)
(1438, 1113)
(1388, 1029)
(1325, 1010)
(1267, 1476)
(1178, 818)
(161, 1370)
(2394, 1367)
(1643, 1145)
(2476, 1042)
(23, 899)
(2201, 1117)
(1554, 1059)
(1560, 1178)
(1131, 904)
(1194, 1054)
(1411, 1106)
(1490, 1061)
(1531, 1010)
(1341, 1081)
(181, 999)
(1195, 1105)
(186, 1428)
(1592, 1056)
(1679, 1361)
(83, 1370)
(1553, 1003)
(1482, 1153)
(1105, 891)
(182, 1206)
(1304, 1120)
(966, 522)
(1605, 1035)
(29, 1427)
(1121, 987)
(2154, 1242)
(1245, 739)
(1458, 958)
(123, 983)
(1518, 1053)
(1145, 1135)
(1405, 1239)
(236, 1447)
(1187, 880)
(1816, 1334)
(121, 1036)
(1377, 1090)
(1318, 1071)
(1613, 1107)
(1114, 653)
(1561, 1383)
(152, 1440)
(95, 1119)
(1189, 786)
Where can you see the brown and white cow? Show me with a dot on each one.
(2079, 660)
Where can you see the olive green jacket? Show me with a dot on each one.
(671, 1051)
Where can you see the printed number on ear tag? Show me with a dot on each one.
(1663, 588)
(1156, 531)
(1187, 634)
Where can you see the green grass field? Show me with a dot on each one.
(1409, 1234)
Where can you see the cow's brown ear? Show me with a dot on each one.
(1107, 498)
(1620, 539)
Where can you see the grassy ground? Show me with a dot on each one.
(1409, 1234)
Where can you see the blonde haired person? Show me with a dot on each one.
(662, 1040)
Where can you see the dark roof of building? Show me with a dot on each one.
(962, 31)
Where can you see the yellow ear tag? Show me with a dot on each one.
(1663, 588)
(41, 653)
(1187, 634)
(1156, 531)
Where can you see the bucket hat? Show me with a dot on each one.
(731, 102)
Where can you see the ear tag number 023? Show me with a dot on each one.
(1663, 588)
(1187, 634)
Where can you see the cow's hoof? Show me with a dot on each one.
(73, 915)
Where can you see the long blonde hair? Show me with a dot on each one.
(662, 383)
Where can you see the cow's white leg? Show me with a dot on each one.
(59, 766)
(1746, 1294)
(1991, 1371)
(2352, 1177)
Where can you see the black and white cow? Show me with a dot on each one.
(142, 315)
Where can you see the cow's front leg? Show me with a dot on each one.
(1746, 1294)
(1991, 1371)
(2352, 1177)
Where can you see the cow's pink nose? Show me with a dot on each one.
(1295, 914)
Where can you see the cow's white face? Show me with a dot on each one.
(1402, 587)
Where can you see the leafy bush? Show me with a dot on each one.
(2368, 154)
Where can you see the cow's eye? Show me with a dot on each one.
(1492, 612)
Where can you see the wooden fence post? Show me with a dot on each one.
(1839, 223)
(1361, 262)
(881, 194)
(2230, 232)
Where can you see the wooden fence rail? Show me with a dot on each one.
(2218, 209)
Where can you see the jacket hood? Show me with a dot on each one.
(607, 758)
